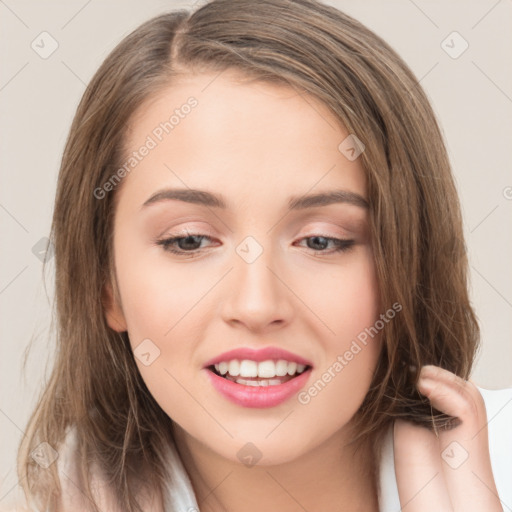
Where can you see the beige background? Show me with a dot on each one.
(471, 94)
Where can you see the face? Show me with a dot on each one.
(258, 267)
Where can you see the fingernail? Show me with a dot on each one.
(428, 369)
(426, 384)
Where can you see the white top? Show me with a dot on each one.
(179, 495)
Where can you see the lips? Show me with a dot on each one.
(258, 355)
(257, 397)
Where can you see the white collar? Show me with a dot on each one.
(388, 490)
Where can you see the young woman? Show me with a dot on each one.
(260, 281)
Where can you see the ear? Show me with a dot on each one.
(113, 312)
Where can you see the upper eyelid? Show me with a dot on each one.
(184, 234)
(353, 227)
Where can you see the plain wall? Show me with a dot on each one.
(471, 95)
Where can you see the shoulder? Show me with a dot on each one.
(15, 508)
(72, 498)
(498, 405)
(19, 506)
(63, 465)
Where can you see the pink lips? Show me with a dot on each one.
(262, 354)
(258, 396)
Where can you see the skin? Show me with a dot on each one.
(256, 145)
(450, 470)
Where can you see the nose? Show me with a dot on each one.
(257, 294)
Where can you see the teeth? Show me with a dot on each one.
(281, 368)
(256, 383)
(292, 367)
(264, 369)
(234, 367)
(248, 368)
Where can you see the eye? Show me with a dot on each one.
(340, 244)
(190, 244)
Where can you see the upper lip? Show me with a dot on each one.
(262, 354)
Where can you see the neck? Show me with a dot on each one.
(332, 476)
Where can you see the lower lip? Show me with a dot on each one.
(258, 396)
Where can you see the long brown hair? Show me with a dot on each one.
(416, 226)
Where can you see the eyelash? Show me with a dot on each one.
(342, 245)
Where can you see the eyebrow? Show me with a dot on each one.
(204, 198)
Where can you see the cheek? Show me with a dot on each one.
(155, 295)
(353, 347)
(359, 306)
(346, 296)
(164, 307)
(360, 326)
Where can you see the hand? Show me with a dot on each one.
(450, 472)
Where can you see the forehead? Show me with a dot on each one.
(225, 132)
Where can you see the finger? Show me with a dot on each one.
(464, 449)
(418, 470)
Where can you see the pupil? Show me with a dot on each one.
(315, 241)
(190, 239)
